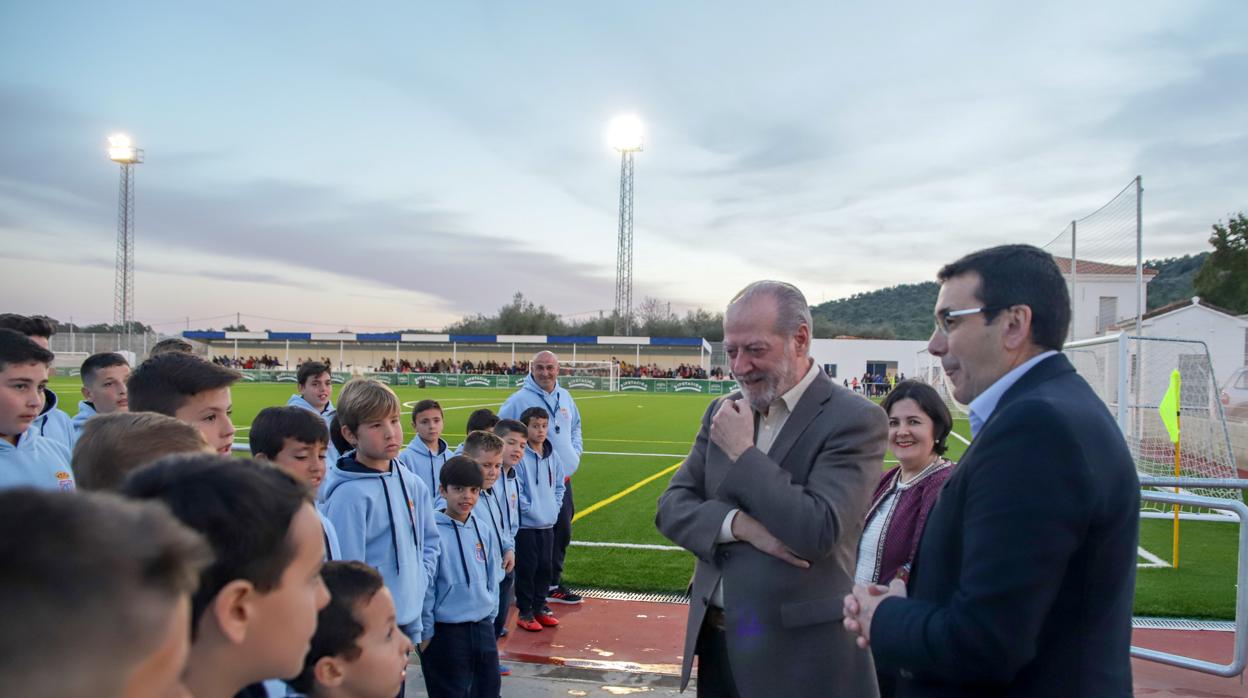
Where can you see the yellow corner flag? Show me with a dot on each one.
(1170, 406)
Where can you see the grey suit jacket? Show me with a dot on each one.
(811, 490)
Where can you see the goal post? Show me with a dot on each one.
(590, 375)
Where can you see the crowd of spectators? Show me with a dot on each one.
(451, 366)
(627, 370)
(264, 361)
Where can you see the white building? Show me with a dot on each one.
(1102, 295)
(843, 359)
(1221, 330)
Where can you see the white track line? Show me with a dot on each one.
(960, 437)
(627, 546)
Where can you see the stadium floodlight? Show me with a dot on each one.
(122, 151)
(625, 134)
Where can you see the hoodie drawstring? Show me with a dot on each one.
(394, 536)
(407, 498)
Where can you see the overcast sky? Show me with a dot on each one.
(403, 165)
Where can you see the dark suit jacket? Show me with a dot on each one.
(811, 490)
(1026, 570)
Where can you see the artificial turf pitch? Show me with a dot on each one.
(631, 436)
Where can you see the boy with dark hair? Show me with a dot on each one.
(98, 580)
(483, 419)
(294, 439)
(26, 458)
(462, 659)
(486, 448)
(52, 422)
(103, 388)
(540, 473)
(382, 512)
(190, 389)
(514, 436)
(358, 651)
(427, 452)
(112, 445)
(255, 610)
(171, 344)
(316, 393)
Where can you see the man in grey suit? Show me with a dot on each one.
(771, 501)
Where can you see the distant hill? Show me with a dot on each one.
(905, 311)
(1174, 278)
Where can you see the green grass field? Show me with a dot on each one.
(634, 436)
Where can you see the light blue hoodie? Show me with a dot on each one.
(565, 419)
(427, 465)
(327, 414)
(85, 411)
(333, 551)
(541, 487)
(466, 587)
(53, 423)
(385, 520)
(36, 462)
(507, 492)
(490, 511)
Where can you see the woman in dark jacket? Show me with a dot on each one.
(918, 426)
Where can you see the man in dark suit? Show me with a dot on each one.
(771, 500)
(1025, 574)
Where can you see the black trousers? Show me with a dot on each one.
(506, 594)
(563, 534)
(714, 670)
(462, 661)
(533, 553)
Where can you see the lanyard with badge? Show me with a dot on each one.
(553, 412)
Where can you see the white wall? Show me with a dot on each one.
(1222, 333)
(1085, 301)
(851, 355)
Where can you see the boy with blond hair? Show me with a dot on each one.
(382, 512)
(112, 445)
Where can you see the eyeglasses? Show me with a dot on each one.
(946, 320)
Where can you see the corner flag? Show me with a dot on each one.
(1169, 407)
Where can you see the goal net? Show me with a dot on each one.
(590, 375)
(1130, 375)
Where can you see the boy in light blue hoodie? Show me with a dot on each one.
(103, 388)
(462, 659)
(427, 452)
(52, 422)
(316, 393)
(381, 511)
(295, 440)
(540, 474)
(26, 458)
(514, 436)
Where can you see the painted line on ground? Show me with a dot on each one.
(628, 453)
(960, 437)
(1153, 560)
(622, 493)
(628, 546)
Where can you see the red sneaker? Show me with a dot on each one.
(546, 619)
(528, 623)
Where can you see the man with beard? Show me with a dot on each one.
(771, 501)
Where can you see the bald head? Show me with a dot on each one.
(545, 370)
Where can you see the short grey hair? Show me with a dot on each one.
(792, 311)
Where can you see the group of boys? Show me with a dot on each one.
(291, 574)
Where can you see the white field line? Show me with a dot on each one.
(1153, 560)
(627, 546)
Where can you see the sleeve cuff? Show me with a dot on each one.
(725, 529)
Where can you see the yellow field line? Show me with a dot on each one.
(623, 493)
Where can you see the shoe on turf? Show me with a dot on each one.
(546, 618)
(561, 594)
(504, 670)
(528, 623)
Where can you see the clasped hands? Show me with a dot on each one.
(860, 607)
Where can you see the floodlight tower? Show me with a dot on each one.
(123, 152)
(625, 135)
